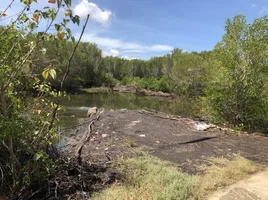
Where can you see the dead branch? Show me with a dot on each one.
(160, 115)
(84, 140)
(20, 14)
(9, 6)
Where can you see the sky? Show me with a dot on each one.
(147, 28)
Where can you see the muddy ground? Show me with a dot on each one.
(121, 133)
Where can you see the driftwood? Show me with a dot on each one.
(85, 139)
(159, 114)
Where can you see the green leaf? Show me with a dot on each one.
(52, 14)
(24, 18)
(32, 25)
(52, 73)
(68, 3)
(73, 39)
(57, 27)
(65, 21)
(59, 3)
(39, 155)
(45, 15)
(76, 19)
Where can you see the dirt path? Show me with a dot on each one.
(253, 188)
(120, 133)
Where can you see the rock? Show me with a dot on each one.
(203, 126)
(142, 135)
(92, 111)
(104, 135)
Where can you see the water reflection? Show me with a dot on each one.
(78, 105)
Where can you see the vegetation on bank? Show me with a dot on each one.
(147, 177)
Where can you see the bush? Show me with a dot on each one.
(237, 89)
(165, 84)
(132, 81)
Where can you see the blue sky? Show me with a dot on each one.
(146, 28)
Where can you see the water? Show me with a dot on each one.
(77, 106)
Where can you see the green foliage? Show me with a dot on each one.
(109, 80)
(237, 90)
(164, 84)
(27, 117)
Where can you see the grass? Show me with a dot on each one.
(221, 172)
(95, 90)
(131, 143)
(148, 178)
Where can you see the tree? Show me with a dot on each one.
(188, 73)
(237, 91)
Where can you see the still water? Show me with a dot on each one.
(78, 105)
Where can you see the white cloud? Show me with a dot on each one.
(263, 10)
(110, 43)
(116, 53)
(111, 52)
(253, 5)
(161, 48)
(96, 14)
(129, 58)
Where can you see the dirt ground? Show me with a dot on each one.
(121, 133)
(253, 188)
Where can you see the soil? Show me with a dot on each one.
(253, 188)
(123, 132)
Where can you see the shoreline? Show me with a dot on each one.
(129, 89)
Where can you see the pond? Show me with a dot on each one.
(78, 105)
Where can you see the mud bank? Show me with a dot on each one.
(123, 133)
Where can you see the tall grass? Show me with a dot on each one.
(149, 178)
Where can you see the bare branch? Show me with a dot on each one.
(70, 60)
(9, 6)
(67, 73)
(20, 14)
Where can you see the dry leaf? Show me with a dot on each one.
(61, 35)
(68, 13)
(36, 17)
(51, 1)
(45, 74)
